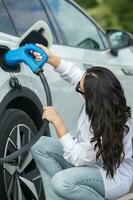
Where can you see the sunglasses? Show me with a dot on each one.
(78, 89)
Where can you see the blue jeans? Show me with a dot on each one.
(61, 180)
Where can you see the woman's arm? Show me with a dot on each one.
(53, 117)
(67, 70)
(77, 153)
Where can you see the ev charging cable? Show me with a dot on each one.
(22, 54)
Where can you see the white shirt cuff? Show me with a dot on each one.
(67, 140)
(63, 66)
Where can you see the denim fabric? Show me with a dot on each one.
(61, 180)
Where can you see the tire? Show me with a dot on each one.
(20, 178)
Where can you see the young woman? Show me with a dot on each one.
(97, 164)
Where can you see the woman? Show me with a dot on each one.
(97, 164)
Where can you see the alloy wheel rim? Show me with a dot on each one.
(21, 177)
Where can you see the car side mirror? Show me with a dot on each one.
(119, 39)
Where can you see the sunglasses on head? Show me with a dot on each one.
(78, 89)
(78, 85)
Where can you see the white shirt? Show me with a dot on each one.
(80, 151)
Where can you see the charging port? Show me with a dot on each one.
(3, 65)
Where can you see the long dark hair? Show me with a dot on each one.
(108, 112)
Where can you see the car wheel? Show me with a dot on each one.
(19, 179)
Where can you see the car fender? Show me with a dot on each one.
(26, 100)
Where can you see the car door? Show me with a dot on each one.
(87, 45)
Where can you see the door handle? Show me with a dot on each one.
(128, 72)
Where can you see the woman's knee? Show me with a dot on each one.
(44, 145)
(64, 183)
(38, 146)
(60, 184)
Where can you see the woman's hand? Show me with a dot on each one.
(50, 114)
(53, 59)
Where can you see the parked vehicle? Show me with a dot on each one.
(76, 37)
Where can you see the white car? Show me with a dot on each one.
(76, 37)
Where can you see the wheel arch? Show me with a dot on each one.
(25, 100)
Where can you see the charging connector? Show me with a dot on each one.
(3, 64)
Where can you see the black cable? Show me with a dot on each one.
(41, 131)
